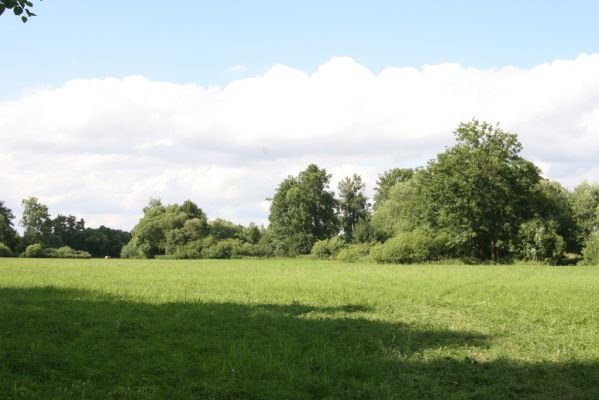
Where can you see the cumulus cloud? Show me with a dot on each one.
(100, 148)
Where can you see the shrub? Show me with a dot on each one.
(5, 251)
(227, 248)
(328, 248)
(590, 253)
(130, 251)
(67, 252)
(411, 247)
(539, 241)
(35, 251)
(354, 252)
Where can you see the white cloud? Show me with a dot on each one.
(99, 148)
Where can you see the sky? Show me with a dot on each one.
(106, 104)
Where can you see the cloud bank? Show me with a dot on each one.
(100, 148)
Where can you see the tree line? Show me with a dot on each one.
(63, 236)
(477, 201)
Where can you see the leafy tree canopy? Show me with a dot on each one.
(20, 8)
(303, 210)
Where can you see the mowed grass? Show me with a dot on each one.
(296, 329)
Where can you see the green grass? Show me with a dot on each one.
(296, 329)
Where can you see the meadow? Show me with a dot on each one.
(296, 329)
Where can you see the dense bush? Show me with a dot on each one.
(354, 252)
(67, 252)
(328, 248)
(34, 251)
(38, 251)
(5, 251)
(410, 247)
(590, 252)
(539, 241)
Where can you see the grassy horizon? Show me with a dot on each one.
(295, 329)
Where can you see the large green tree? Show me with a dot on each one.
(353, 205)
(68, 231)
(8, 235)
(163, 228)
(36, 222)
(303, 210)
(479, 191)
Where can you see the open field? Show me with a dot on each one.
(295, 329)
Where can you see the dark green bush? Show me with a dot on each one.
(38, 251)
(35, 251)
(67, 252)
(354, 252)
(5, 251)
(539, 241)
(590, 252)
(328, 248)
(411, 247)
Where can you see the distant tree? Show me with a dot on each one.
(163, 228)
(303, 211)
(585, 204)
(36, 222)
(222, 229)
(68, 231)
(104, 241)
(479, 191)
(553, 205)
(8, 235)
(353, 205)
(20, 8)
(387, 180)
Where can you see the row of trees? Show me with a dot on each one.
(42, 234)
(478, 200)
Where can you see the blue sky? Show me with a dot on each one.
(104, 104)
(197, 41)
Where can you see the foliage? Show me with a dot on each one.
(354, 252)
(163, 228)
(585, 205)
(553, 205)
(67, 252)
(20, 8)
(411, 247)
(386, 181)
(362, 232)
(401, 212)
(104, 241)
(36, 222)
(353, 205)
(479, 191)
(539, 241)
(327, 248)
(37, 250)
(8, 235)
(5, 251)
(303, 211)
(590, 251)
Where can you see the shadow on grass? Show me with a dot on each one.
(61, 344)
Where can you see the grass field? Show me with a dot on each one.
(296, 329)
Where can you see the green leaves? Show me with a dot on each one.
(18, 7)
